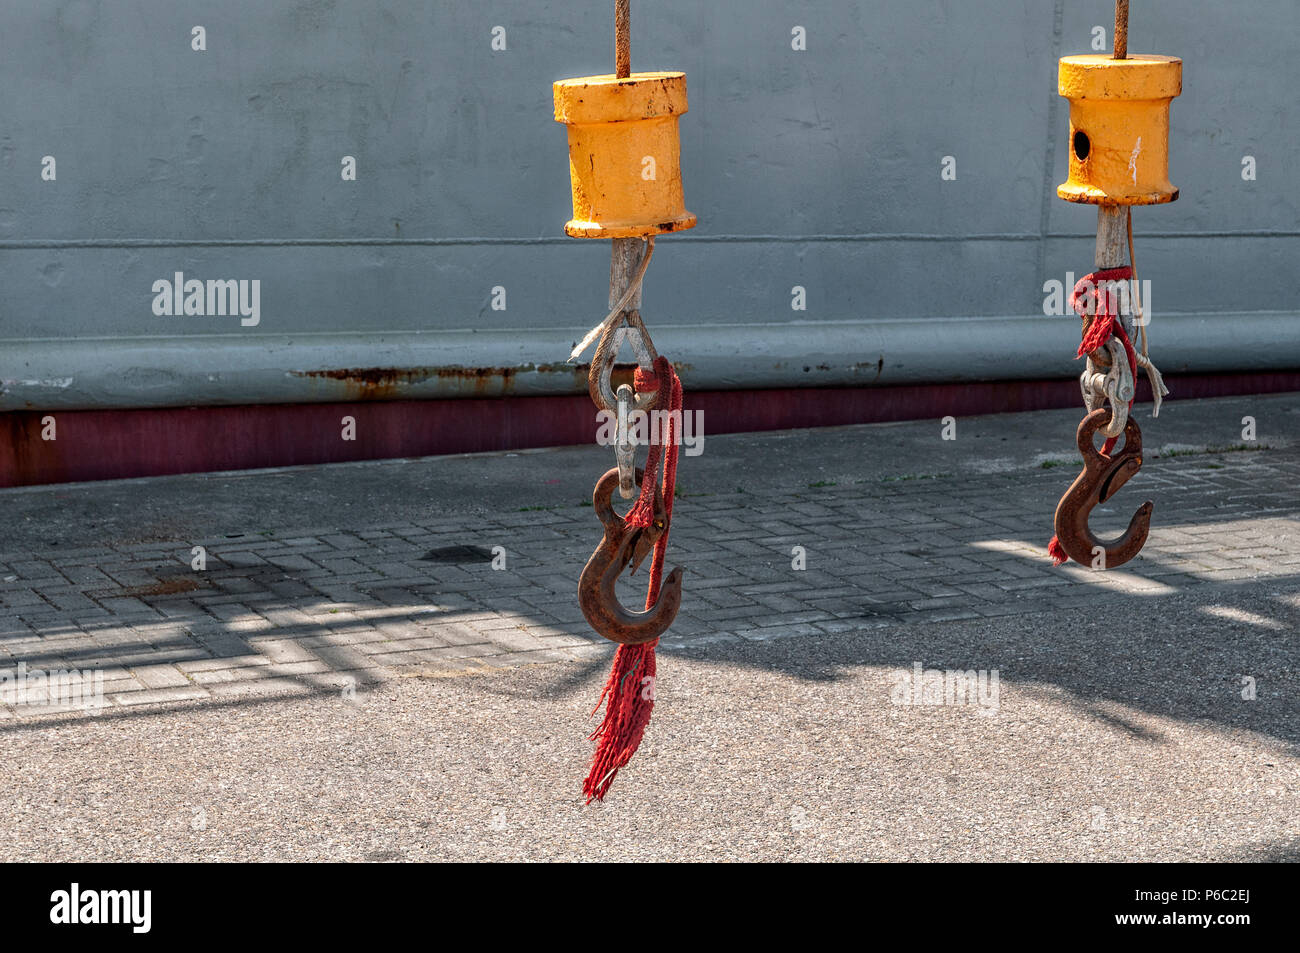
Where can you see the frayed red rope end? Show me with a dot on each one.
(629, 702)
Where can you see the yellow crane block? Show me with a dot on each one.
(624, 154)
(1119, 128)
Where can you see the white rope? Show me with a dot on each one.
(633, 287)
(1158, 388)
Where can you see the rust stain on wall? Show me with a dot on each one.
(388, 383)
(380, 383)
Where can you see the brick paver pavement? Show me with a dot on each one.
(296, 610)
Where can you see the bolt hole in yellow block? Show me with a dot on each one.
(1119, 128)
(624, 154)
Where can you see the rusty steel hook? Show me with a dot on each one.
(1102, 475)
(623, 545)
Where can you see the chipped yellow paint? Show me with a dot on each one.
(624, 154)
(1119, 128)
